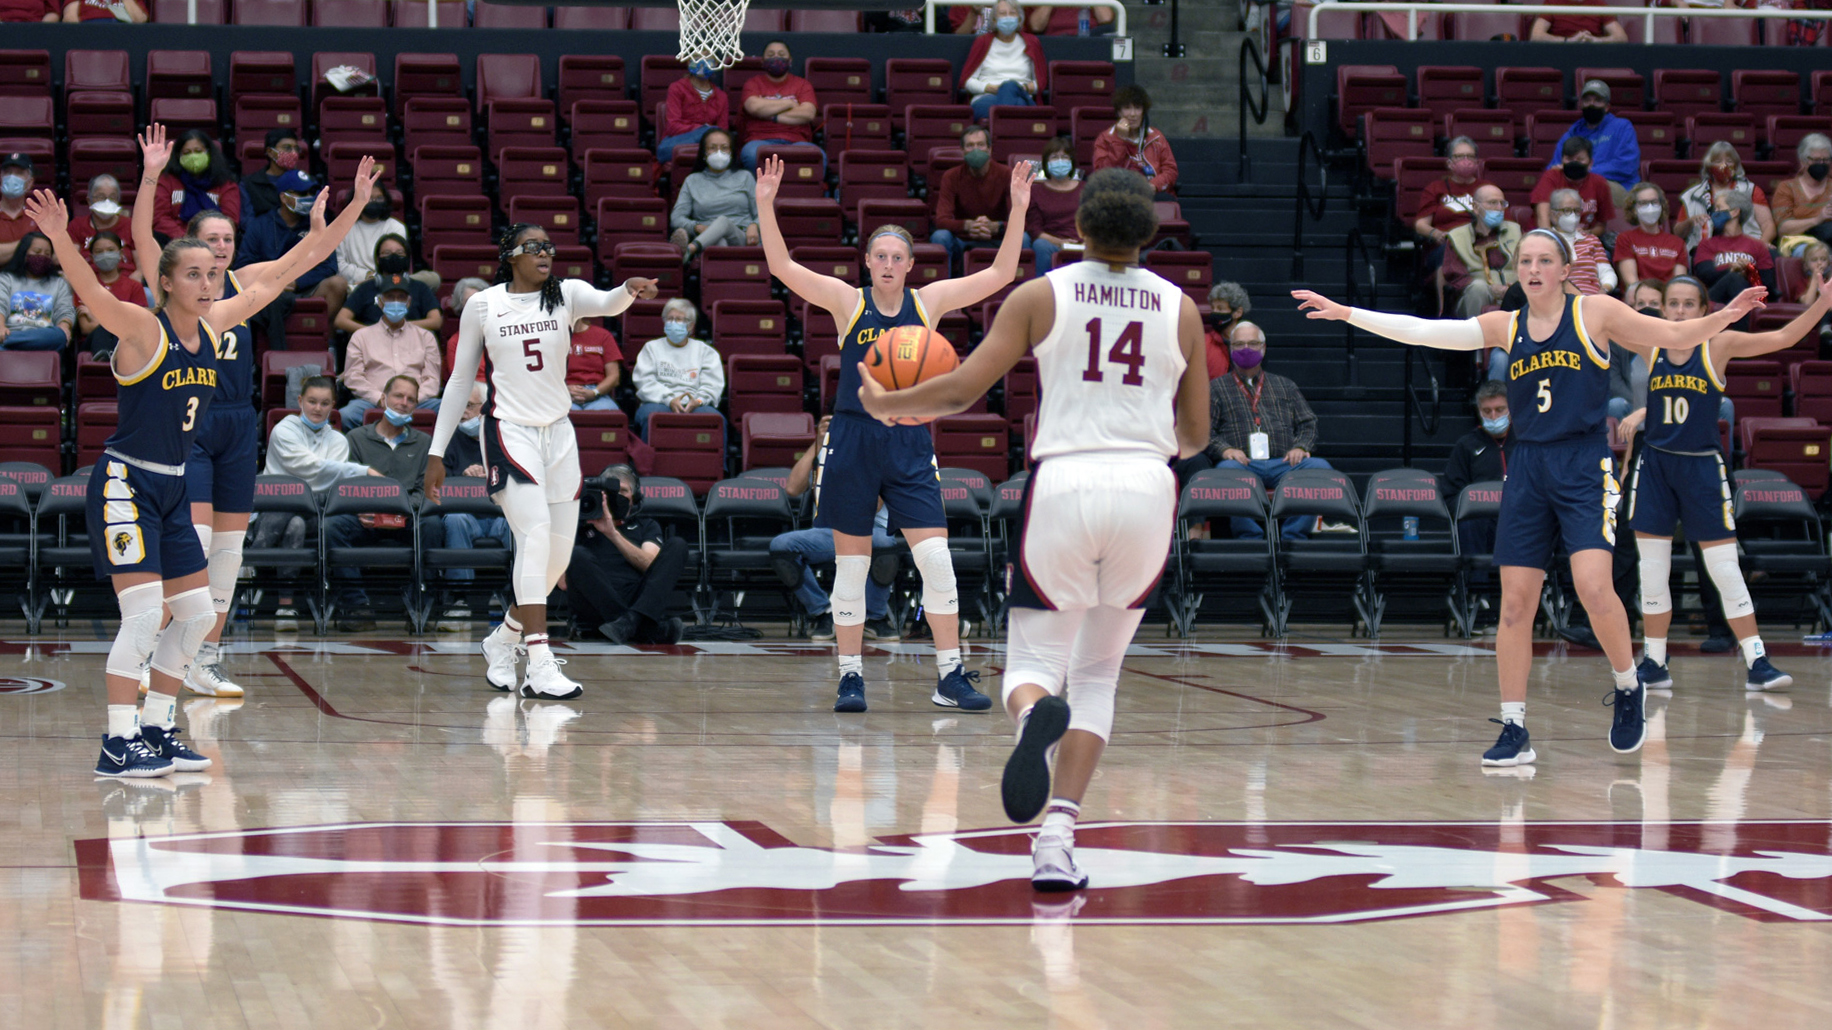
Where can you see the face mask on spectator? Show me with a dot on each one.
(1568, 224)
(1496, 426)
(197, 162)
(1246, 357)
(718, 160)
(1493, 219)
(1007, 25)
(676, 331)
(1723, 175)
(105, 209)
(314, 426)
(1818, 170)
(776, 67)
(12, 185)
(1719, 219)
(286, 159)
(395, 418)
(107, 260)
(471, 426)
(395, 311)
(1647, 213)
(702, 69)
(1593, 115)
(1061, 167)
(40, 266)
(1464, 167)
(300, 205)
(391, 264)
(1576, 170)
(1650, 310)
(376, 210)
(977, 159)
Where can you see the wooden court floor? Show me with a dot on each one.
(1294, 836)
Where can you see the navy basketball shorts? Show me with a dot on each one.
(140, 521)
(1557, 492)
(1693, 489)
(863, 460)
(223, 461)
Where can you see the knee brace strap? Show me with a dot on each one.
(133, 643)
(848, 600)
(1656, 570)
(225, 564)
(193, 616)
(1721, 564)
(939, 594)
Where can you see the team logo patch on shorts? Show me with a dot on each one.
(125, 545)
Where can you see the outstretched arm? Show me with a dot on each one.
(825, 291)
(1022, 320)
(1486, 330)
(156, 151)
(307, 254)
(1644, 334)
(137, 327)
(587, 301)
(939, 298)
(1733, 344)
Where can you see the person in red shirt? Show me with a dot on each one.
(593, 367)
(973, 200)
(1131, 143)
(1066, 21)
(16, 178)
(105, 10)
(1450, 202)
(1578, 28)
(461, 295)
(779, 108)
(1228, 305)
(196, 179)
(105, 255)
(1648, 251)
(29, 10)
(1596, 205)
(1728, 261)
(105, 214)
(694, 106)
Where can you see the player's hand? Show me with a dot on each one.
(1630, 424)
(871, 395)
(435, 478)
(48, 211)
(642, 289)
(367, 172)
(319, 204)
(1021, 175)
(1821, 299)
(1747, 301)
(155, 149)
(769, 180)
(1318, 306)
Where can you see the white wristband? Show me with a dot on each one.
(1442, 333)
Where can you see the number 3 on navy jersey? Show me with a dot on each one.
(1545, 395)
(1128, 350)
(190, 415)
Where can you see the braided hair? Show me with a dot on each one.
(505, 251)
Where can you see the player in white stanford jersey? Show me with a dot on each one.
(1123, 372)
(521, 331)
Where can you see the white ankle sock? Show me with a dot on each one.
(537, 648)
(506, 633)
(123, 721)
(1752, 649)
(947, 661)
(852, 663)
(1514, 712)
(1059, 818)
(158, 710)
(1656, 649)
(1625, 678)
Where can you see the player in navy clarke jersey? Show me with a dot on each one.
(139, 518)
(1561, 486)
(865, 462)
(1679, 477)
(1123, 371)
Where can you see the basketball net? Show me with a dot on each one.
(709, 29)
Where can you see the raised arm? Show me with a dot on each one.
(1610, 319)
(824, 291)
(156, 151)
(308, 253)
(137, 328)
(939, 298)
(1022, 320)
(1732, 344)
(1486, 330)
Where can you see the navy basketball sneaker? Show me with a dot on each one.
(129, 758)
(955, 690)
(163, 741)
(1763, 676)
(852, 694)
(1513, 747)
(1630, 725)
(1654, 675)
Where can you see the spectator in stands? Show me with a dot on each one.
(105, 214)
(464, 457)
(364, 305)
(107, 258)
(393, 448)
(1578, 28)
(593, 367)
(1729, 261)
(1647, 296)
(1132, 143)
(1591, 270)
(197, 178)
(304, 445)
(717, 205)
(38, 305)
(1066, 21)
(1050, 221)
(105, 10)
(261, 190)
(779, 108)
(29, 10)
(357, 257)
(794, 555)
(1802, 205)
(1648, 250)
(1479, 267)
(694, 105)
(1260, 422)
(623, 570)
(462, 292)
(1615, 153)
(1005, 66)
(1228, 306)
(1480, 456)
(391, 349)
(270, 236)
(16, 181)
(974, 199)
(1596, 203)
(1816, 263)
(1721, 172)
(678, 373)
(1451, 201)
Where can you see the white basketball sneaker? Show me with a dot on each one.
(499, 662)
(208, 679)
(546, 682)
(1053, 865)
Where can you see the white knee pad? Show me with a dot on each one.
(225, 551)
(1656, 570)
(939, 595)
(1727, 575)
(1091, 705)
(140, 614)
(193, 617)
(848, 599)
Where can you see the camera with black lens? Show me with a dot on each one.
(595, 499)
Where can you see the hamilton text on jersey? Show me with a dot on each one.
(526, 328)
(1545, 359)
(189, 377)
(1117, 297)
(1696, 384)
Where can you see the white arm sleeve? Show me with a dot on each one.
(1442, 333)
(585, 301)
(463, 374)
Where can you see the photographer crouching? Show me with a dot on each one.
(622, 571)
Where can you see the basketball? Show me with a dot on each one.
(907, 355)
